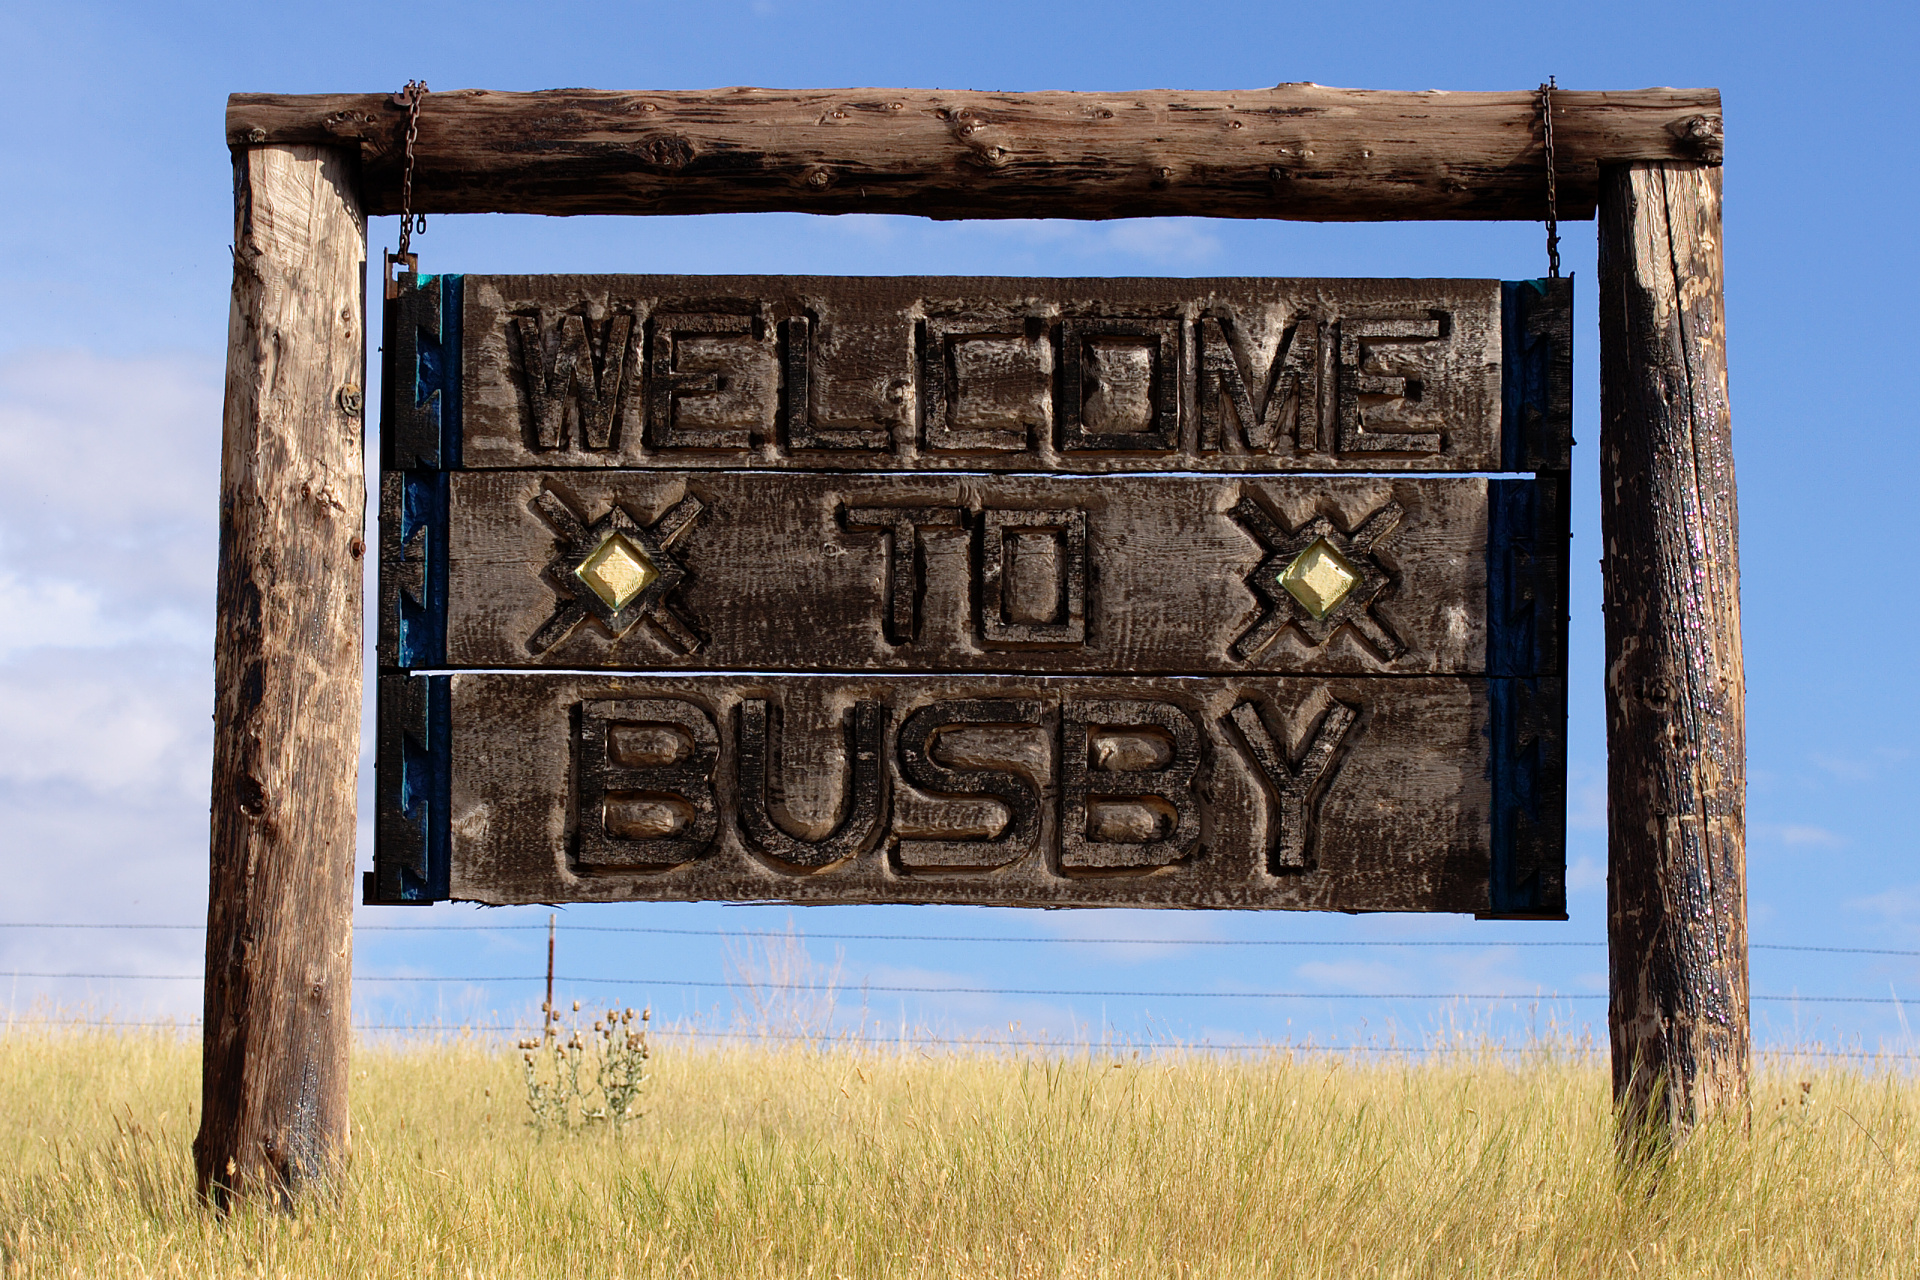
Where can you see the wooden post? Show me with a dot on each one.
(1676, 693)
(287, 662)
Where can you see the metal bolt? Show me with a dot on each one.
(256, 134)
(350, 400)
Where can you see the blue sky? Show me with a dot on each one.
(114, 269)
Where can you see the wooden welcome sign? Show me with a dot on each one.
(1184, 593)
(1180, 593)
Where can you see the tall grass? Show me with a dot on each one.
(777, 1159)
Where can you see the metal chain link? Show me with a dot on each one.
(1553, 184)
(410, 98)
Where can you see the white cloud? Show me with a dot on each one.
(1870, 767)
(1586, 874)
(1586, 797)
(114, 730)
(108, 526)
(1898, 906)
(1157, 932)
(1353, 975)
(54, 613)
(1808, 835)
(109, 500)
(1164, 242)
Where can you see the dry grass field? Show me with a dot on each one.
(769, 1161)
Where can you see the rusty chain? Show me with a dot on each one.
(1553, 185)
(410, 98)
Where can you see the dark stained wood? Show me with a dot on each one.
(1146, 574)
(786, 474)
(970, 374)
(1111, 791)
(1676, 729)
(1293, 151)
(287, 663)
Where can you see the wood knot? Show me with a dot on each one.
(1701, 137)
(820, 179)
(670, 153)
(251, 795)
(256, 134)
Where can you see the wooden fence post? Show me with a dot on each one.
(287, 661)
(1676, 692)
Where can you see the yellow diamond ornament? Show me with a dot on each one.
(1319, 578)
(617, 571)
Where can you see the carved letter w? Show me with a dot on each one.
(566, 385)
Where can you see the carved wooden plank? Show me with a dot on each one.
(1364, 794)
(965, 374)
(775, 514)
(1676, 692)
(1292, 151)
(287, 663)
(739, 571)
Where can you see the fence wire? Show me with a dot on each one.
(996, 939)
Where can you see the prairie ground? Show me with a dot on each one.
(772, 1160)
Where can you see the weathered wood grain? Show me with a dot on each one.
(970, 374)
(1141, 574)
(287, 664)
(1676, 728)
(1114, 791)
(1299, 151)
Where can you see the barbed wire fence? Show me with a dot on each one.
(1533, 999)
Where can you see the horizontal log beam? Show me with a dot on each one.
(1296, 151)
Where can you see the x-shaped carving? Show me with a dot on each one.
(644, 558)
(1354, 607)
